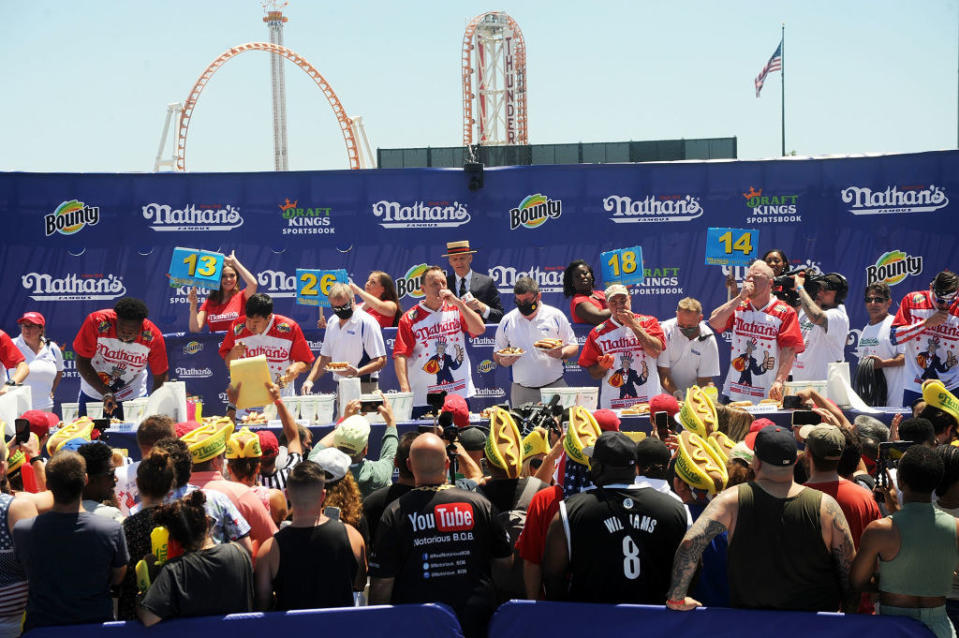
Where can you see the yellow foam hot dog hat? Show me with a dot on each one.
(504, 445)
(535, 443)
(244, 444)
(698, 414)
(208, 440)
(582, 432)
(699, 465)
(721, 444)
(936, 395)
(82, 428)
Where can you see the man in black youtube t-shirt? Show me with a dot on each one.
(621, 538)
(437, 543)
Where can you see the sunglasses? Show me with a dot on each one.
(945, 299)
(875, 299)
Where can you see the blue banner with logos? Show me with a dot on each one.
(74, 243)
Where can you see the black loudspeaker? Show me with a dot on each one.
(474, 173)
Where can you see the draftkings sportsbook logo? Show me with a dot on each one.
(411, 284)
(892, 267)
(534, 211)
(73, 287)
(421, 214)
(652, 208)
(895, 199)
(659, 281)
(214, 217)
(277, 283)
(306, 221)
(70, 218)
(549, 278)
(771, 208)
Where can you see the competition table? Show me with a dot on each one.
(127, 440)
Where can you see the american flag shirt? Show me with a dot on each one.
(13, 580)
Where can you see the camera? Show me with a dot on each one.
(530, 416)
(784, 286)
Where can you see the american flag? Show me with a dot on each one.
(775, 64)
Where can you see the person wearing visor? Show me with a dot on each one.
(531, 322)
(351, 337)
(691, 355)
(927, 325)
(43, 357)
(823, 322)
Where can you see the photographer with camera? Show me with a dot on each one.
(823, 322)
(532, 322)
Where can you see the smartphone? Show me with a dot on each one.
(792, 402)
(661, 421)
(889, 455)
(370, 405)
(23, 430)
(332, 512)
(805, 417)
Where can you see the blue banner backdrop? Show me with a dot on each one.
(77, 242)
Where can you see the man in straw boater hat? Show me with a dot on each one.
(479, 291)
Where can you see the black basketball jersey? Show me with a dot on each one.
(622, 540)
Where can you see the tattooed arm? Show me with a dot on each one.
(718, 517)
(838, 539)
(815, 314)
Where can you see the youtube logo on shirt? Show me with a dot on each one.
(454, 517)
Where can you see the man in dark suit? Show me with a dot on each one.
(485, 298)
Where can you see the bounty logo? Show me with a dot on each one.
(652, 208)
(73, 287)
(765, 209)
(70, 217)
(421, 214)
(278, 284)
(895, 199)
(892, 267)
(306, 221)
(216, 217)
(411, 284)
(533, 211)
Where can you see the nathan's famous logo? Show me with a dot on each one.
(306, 221)
(534, 210)
(73, 287)
(70, 218)
(194, 373)
(894, 199)
(278, 284)
(766, 208)
(892, 268)
(662, 280)
(205, 217)
(421, 214)
(411, 284)
(192, 347)
(486, 365)
(652, 208)
(549, 278)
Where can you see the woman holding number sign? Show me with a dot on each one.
(379, 299)
(222, 306)
(587, 305)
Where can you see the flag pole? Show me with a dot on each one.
(782, 77)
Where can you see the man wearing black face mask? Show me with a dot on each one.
(691, 355)
(533, 321)
(351, 337)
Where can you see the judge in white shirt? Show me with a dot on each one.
(691, 355)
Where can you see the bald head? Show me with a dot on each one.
(760, 266)
(428, 460)
(760, 275)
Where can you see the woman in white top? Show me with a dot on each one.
(44, 358)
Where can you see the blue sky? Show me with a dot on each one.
(85, 84)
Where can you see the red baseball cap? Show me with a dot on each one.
(607, 420)
(456, 405)
(754, 429)
(40, 421)
(664, 403)
(185, 426)
(33, 317)
(269, 446)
